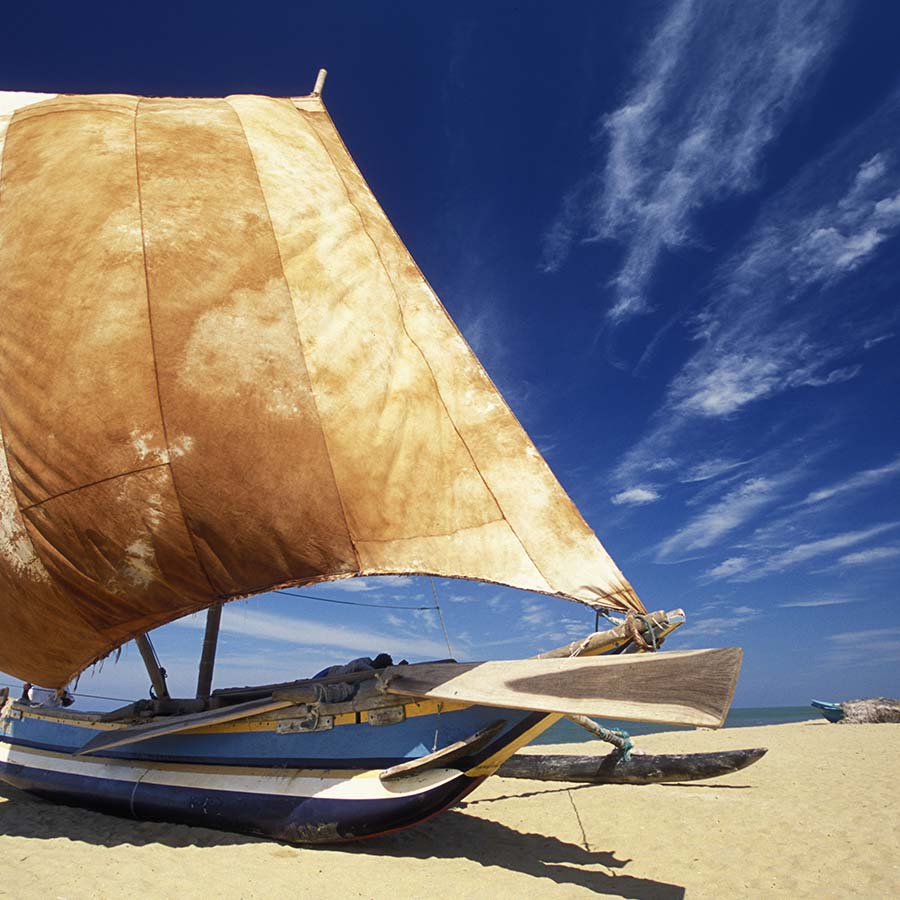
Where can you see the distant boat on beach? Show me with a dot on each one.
(832, 711)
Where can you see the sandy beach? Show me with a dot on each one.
(817, 817)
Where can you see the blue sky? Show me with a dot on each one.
(670, 232)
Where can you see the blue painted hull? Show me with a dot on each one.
(306, 819)
(832, 711)
(299, 787)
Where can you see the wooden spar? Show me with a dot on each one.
(638, 769)
(687, 687)
(154, 670)
(601, 733)
(208, 657)
(320, 82)
(121, 736)
(601, 641)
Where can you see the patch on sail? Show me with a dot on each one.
(216, 352)
(15, 544)
(146, 447)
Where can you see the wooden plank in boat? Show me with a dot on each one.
(446, 755)
(176, 724)
(681, 687)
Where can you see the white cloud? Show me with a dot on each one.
(873, 342)
(352, 585)
(535, 613)
(712, 89)
(729, 567)
(861, 480)
(636, 496)
(711, 468)
(732, 382)
(369, 583)
(779, 316)
(872, 555)
(871, 646)
(862, 636)
(835, 376)
(304, 632)
(733, 619)
(808, 604)
(804, 552)
(722, 517)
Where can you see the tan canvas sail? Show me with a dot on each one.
(222, 372)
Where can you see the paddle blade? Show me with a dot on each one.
(686, 687)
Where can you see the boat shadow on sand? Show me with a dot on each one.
(453, 835)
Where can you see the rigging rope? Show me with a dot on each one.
(349, 602)
(437, 606)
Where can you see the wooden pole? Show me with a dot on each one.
(208, 657)
(320, 82)
(154, 670)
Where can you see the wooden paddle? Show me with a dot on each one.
(686, 687)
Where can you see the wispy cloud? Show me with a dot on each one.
(712, 89)
(711, 468)
(867, 557)
(367, 584)
(304, 632)
(809, 604)
(859, 481)
(805, 552)
(871, 646)
(748, 568)
(730, 620)
(534, 612)
(875, 341)
(732, 566)
(722, 517)
(753, 350)
(780, 315)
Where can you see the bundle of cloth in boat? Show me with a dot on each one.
(343, 690)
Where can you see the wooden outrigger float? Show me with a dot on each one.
(614, 768)
(221, 374)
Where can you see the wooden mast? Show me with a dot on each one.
(154, 670)
(208, 657)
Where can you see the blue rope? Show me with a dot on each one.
(649, 623)
(615, 736)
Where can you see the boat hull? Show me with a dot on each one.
(328, 798)
(295, 805)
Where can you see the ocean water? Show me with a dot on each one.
(566, 732)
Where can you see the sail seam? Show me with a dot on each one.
(90, 484)
(162, 418)
(418, 348)
(351, 539)
(438, 534)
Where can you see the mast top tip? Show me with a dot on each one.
(320, 82)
